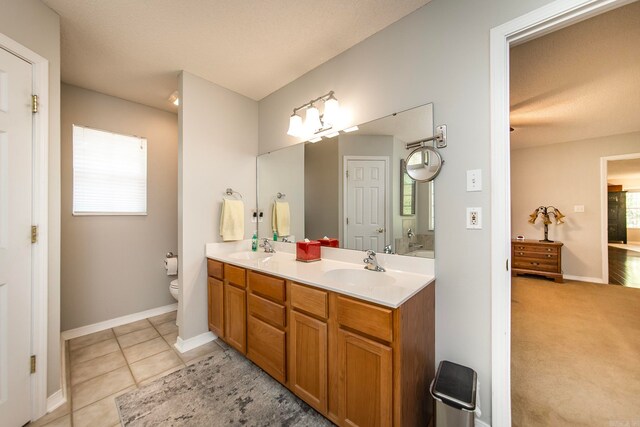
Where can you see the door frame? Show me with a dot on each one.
(388, 210)
(536, 23)
(604, 237)
(40, 217)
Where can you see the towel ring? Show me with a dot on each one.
(281, 195)
(231, 192)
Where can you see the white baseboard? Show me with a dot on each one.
(118, 321)
(189, 344)
(584, 279)
(56, 400)
(480, 423)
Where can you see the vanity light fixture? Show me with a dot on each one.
(332, 134)
(314, 140)
(351, 129)
(314, 121)
(174, 98)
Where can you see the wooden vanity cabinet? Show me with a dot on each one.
(308, 342)
(357, 363)
(266, 324)
(215, 293)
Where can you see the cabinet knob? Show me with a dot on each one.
(548, 249)
(535, 263)
(520, 253)
(549, 256)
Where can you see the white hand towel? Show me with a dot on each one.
(232, 220)
(281, 218)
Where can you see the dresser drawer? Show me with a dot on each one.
(312, 301)
(518, 247)
(235, 275)
(536, 265)
(266, 310)
(367, 318)
(267, 286)
(214, 269)
(538, 255)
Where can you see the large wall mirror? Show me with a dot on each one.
(353, 187)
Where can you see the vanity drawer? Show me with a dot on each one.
(214, 268)
(367, 318)
(235, 275)
(267, 286)
(266, 310)
(312, 301)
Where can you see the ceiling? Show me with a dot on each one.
(624, 172)
(135, 49)
(580, 82)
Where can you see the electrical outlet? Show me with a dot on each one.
(474, 180)
(254, 215)
(260, 216)
(474, 218)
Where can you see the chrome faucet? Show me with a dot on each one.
(410, 233)
(388, 250)
(267, 246)
(371, 263)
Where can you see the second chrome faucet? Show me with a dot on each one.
(371, 262)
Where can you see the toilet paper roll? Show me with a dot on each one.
(171, 265)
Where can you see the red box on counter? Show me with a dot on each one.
(328, 241)
(308, 251)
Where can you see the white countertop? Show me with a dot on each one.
(404, 284)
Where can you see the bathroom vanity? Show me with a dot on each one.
(356, 345)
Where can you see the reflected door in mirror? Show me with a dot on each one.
(365, 201)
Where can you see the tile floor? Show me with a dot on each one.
(106, 364)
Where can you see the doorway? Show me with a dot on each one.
(527, 27)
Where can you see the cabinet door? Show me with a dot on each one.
(308, 364)
(366, 384)
(235, 315)
(216, 304)
(266, 347)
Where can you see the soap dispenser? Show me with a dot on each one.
(254, 242)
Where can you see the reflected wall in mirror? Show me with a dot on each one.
(353, 187)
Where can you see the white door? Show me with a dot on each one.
(365, 211)
(15, 239)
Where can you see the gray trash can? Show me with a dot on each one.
(454, 390)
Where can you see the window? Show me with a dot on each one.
(109, 173)
(633, 209)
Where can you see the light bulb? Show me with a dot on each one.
(295, 125)
(331, 111)
(312, 122)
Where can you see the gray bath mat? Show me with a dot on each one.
(224, 390)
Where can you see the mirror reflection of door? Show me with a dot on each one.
(365, 213)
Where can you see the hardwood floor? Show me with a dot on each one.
(624, 267)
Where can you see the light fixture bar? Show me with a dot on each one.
(308, 104)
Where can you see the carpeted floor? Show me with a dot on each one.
(224, 390)
(575, 355)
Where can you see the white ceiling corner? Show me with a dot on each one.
(134, 49)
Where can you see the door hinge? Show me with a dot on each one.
(34, 103)
(34, 234)
(507, 265)
(347, 174)
(33, 364)
(347, 221)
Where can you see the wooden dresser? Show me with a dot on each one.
(534, 257)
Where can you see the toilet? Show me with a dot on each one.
(173, 289)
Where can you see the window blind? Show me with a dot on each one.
(109, 173)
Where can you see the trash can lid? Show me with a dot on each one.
(455, 385)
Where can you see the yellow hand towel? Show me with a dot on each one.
(232, 220)
(281, 218)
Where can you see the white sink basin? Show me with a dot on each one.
(359, 277)
(249, 255)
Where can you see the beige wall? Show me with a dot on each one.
(113, 265)
(32, 24)
(218, 146)
(565, 175)
(321, 174)
(439, 54)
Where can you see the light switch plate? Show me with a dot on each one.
(474, 218)
(578, 208)
(474, 180)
